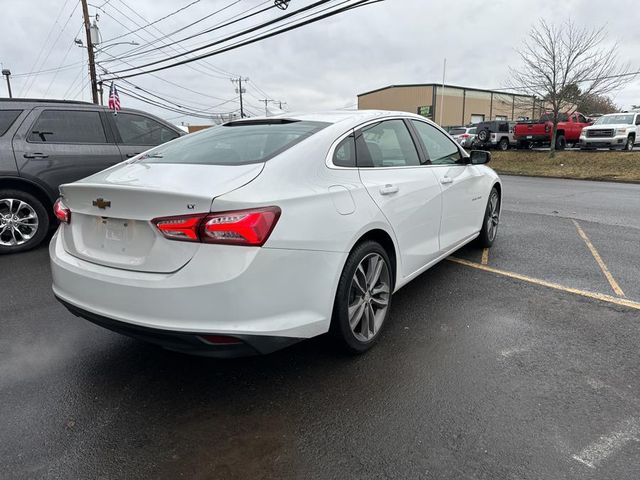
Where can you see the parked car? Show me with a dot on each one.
(616, 130)
(44, 143)
(494, 134)
(253, 235)
(465, 136)
(539, 133)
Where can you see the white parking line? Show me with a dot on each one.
(608, 444)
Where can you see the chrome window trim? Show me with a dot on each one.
(334, 145)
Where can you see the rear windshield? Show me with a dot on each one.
(613, 119)
(7, 117)
(548, 117)
(237, 143)
(457, 131)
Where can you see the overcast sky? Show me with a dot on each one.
(319, 66)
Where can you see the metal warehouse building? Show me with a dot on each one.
(451, 105)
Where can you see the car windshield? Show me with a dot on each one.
(457, 131)
(615, 119)
(235, 143)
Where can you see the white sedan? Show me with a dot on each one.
(250, 236)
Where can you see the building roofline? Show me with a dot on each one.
(409, 85)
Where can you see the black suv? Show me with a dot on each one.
(495, 133)
(45, 143)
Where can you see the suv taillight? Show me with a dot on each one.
(61, 211)
(241, 227)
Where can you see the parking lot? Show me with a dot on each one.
(516, 363)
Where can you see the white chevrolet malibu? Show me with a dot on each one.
(250, 236)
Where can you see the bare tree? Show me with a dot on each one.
(562, 65)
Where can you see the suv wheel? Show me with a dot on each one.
(24, 221)
(503, 144)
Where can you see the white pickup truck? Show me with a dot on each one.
(614, 131)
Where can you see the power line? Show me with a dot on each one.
(175, 12)
(230, 37)
(251, 40)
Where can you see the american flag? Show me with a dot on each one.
(114, 99)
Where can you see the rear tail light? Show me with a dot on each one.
(219, 340)
(465, 135)
(242, 227)
(61, 211)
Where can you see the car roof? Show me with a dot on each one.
(336, 116)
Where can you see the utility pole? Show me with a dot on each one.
(240, 91)
(266, 103)
(6, 72)
(92, 62)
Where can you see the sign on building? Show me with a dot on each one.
(426, 111)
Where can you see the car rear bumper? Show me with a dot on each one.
(222, 290)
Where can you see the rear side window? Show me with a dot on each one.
(68, 126)
(237, 143)
(345, 153)
(140, 130)
(7, 117)
(386, 144)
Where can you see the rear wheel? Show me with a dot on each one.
(363, 297)
(503, 144)
(24, 221)
(491, 220)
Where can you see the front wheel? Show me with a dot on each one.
(24, 221)
(490, 221)
(363, 297)
(630, 142)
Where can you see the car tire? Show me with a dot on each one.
(24, 221)
(490, 221)
(503, 144)
(483, 135)
(561, 142)
(362, 302)
(630, 143)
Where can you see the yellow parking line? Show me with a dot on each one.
(485, 256)
(584, 293)
(599, 261)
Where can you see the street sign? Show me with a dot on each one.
(426, 111)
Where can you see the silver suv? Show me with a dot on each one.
(614, 131)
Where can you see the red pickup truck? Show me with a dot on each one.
(538, 133)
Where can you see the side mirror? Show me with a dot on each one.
(479, 157)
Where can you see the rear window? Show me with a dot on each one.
(7, 117)
(548, 117)
(457, 131)
(237, 143)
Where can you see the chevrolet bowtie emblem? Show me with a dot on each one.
(101, 203)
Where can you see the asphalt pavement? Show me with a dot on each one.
(521, 363)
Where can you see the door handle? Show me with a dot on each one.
(388, 189)
(131, 155)
(35, 155)
(446, 180)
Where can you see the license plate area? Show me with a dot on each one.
(116, 230)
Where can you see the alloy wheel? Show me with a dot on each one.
(369, 296)
(18, 222)
(494, 216)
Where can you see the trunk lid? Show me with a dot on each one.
(112, 211)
